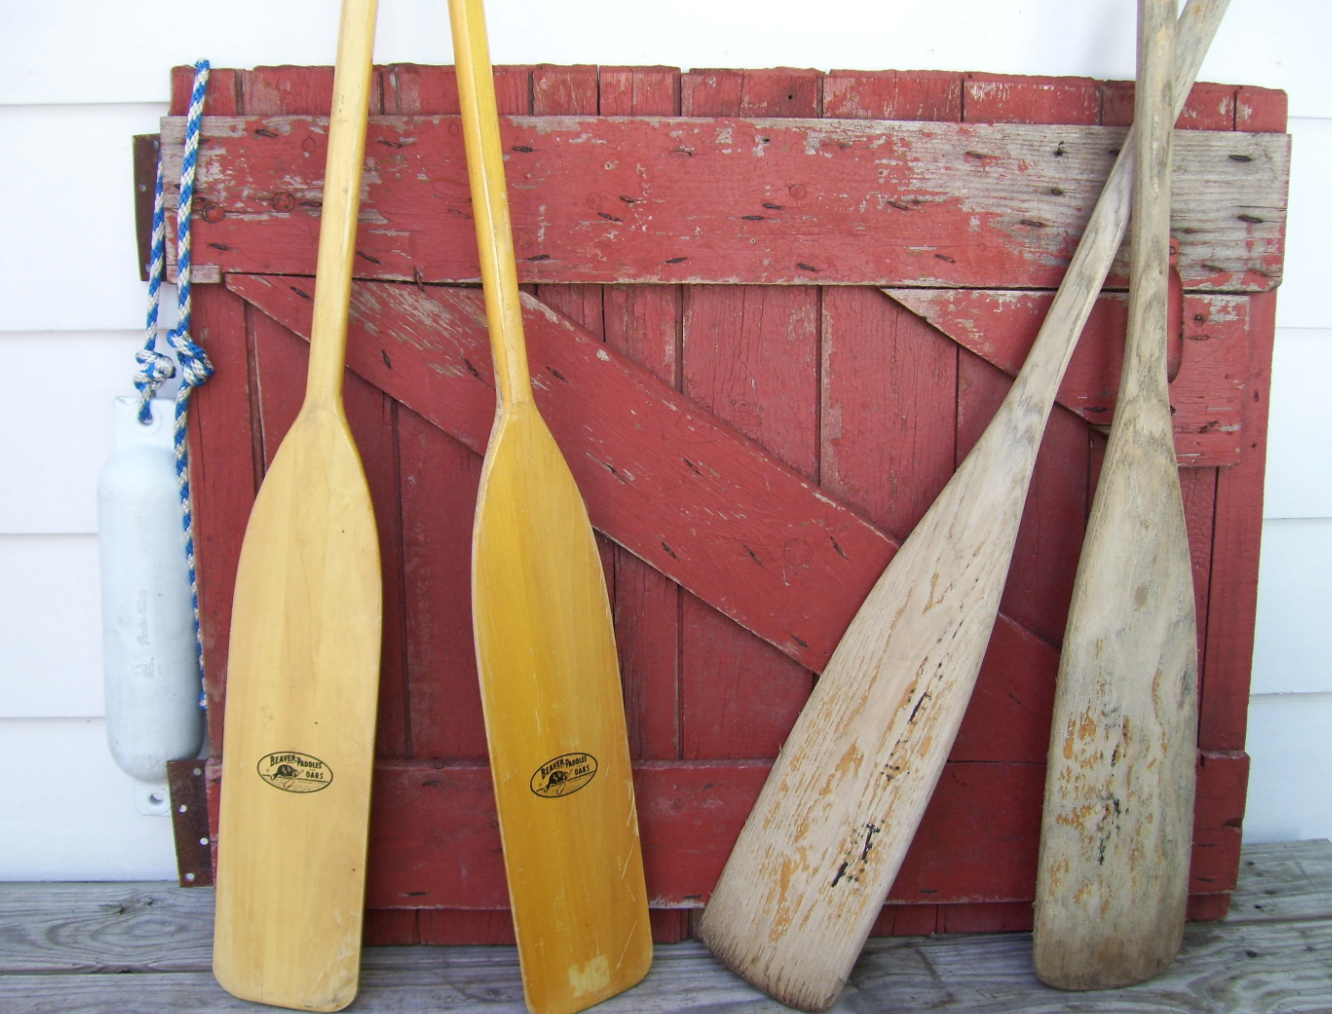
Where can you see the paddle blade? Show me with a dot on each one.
(1117, 826)
(559, 755)
(815, 860)
(300, 723)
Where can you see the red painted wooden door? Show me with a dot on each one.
(752, 454)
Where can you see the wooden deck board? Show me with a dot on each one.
(104, 927)
(1283, 881)
(1274, 953)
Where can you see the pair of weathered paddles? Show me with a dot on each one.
(819, 852)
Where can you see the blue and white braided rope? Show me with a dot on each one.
(194, 365)
(154, 367)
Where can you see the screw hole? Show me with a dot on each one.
(189, 876)
(203, 841)
(156, 798)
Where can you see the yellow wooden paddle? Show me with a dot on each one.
(545, 647)
(303, 671)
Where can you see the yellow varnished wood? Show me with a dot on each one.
(550, 689)
(545, 645)
(303, 666)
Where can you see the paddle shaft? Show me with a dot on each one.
(826, 838)
(342, 202)
(1116, 832)
(490, 201)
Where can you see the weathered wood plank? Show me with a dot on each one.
(1209, 107)
(639, 91)
(226, 465)
(773, 91)
(751, 358)
(1276, 958)
(1275, 967)
(1207, 393)
(731, 200)
(104, 927)
(644, 323)
(1258, 969)
(435, 842)
(1281, 881)
(1224, 694)
(1007, 98)
(661, 475)
(749, 354)
(439, 479)
(893, 95)
(889, 394)
(1263, 109)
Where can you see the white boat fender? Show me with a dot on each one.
(149, 648)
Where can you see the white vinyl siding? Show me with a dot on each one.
(78, 78)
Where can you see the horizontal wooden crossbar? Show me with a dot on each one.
(434, 840)
(765, 201)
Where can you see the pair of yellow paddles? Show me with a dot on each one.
(305, 646)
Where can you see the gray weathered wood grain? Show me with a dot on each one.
(1112, 882)
(104, 927)
(1273, 954)
(1283, 967)
(1283, 881)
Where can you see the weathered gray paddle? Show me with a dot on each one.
(1117, 827)
(824, 842)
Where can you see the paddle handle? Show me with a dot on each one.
(1034, 389)
(1145, 355)
(342, 202)
(490, 201)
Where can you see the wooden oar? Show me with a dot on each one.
(1117, 828)
(823, 843)
(545, 646)
(303, 668)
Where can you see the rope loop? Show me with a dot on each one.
(155, 367)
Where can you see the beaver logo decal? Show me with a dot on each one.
(295, 772)
(564, 775)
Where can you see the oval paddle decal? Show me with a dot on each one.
(563, 775)
(295, 772)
